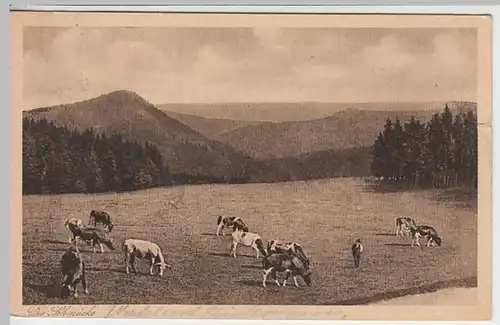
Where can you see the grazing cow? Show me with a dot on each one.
(403, 225)
(98, 216)
(75, 227)
(94, 236)
(136, 248)
(287, 263)
(426, 232)
(275, 246)
(356, 249)
(248, 239)
(73, 269)
(223, 222)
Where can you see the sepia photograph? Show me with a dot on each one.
(245, 160)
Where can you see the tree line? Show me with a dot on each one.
(439, 153)
(58, 160)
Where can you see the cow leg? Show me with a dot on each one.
(132, 263)
(273, 274)
(102, 248)
(92, 244)
(217, 232)
(233, 249)
(75, 285)
(254, 246)
(151, 266)
(266, 273)
(287, 273)
(295, 281)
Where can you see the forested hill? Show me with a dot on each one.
(57, 160)
(190, 155)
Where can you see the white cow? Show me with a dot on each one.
(136, 248)
(75, 227)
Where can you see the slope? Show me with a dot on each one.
(212, 128)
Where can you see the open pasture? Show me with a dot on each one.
(324, 216)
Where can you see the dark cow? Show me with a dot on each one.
(426, 232)
(226, 222)
(73, 269)
(356, 249)
(287, 263)
(94, 236)
(99, 216)
(403, 225)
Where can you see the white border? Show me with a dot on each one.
(493, 10)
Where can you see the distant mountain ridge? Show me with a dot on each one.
(281, 112)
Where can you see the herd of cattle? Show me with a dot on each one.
(277, 256)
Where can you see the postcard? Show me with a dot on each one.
(251, 166)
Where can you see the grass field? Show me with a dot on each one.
(325, 216)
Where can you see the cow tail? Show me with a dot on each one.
(260, 246)
(219, 220)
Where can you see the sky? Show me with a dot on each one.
(227, 65)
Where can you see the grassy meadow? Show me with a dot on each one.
(324, 216)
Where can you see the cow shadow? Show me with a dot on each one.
(59, 242)
(255, 267)
(220, 254)
(398, 244)
(52, 290)
(388, 234)
(253, 283)
(61, 250)
(100, 269)
(229, 255)
(213, 235)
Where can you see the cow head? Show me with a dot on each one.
(438, 240)
(109, 244)
(162, 266)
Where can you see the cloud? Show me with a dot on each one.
(235, 65)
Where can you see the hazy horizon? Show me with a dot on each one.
(284, 111)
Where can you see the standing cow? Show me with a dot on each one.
(73, 269)
(227, 222)
(288, 264)
(142, 249)
(94, 236)
(403, 226)
(99, 216)
(75, 227)
(427, 232)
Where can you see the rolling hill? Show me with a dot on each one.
(350, 128)
(187, 152)
(212, 128)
